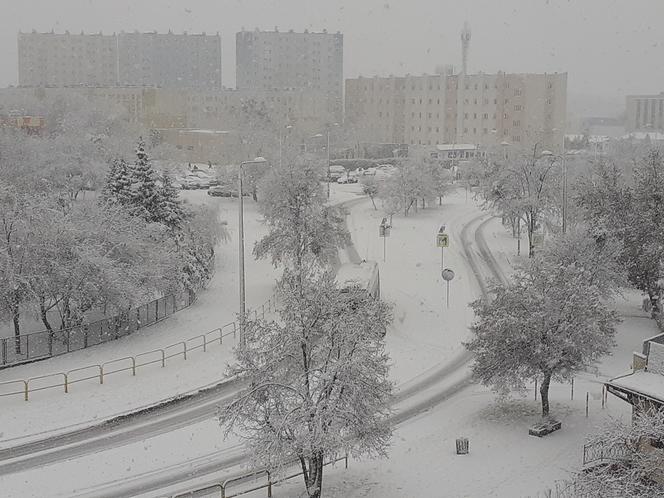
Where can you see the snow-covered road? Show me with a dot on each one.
(419, 394)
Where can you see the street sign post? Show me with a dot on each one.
(442, 241)
(384, 232)
(447, 275)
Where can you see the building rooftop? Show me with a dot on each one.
(642, 383)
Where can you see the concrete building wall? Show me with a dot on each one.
(51, 59)
(645, 113)
(375, 109)
(169, 60)
(484, 109)
(269, 60)
(204, 146)
(140, 59)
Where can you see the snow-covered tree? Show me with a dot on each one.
(300, 225)
(318, 379)
(598, 256)
(631, 214)
(527, 188)
(548, 324)
(146, 195)
(117, 186)
(636, 469)
(16, 254)
(170, 211)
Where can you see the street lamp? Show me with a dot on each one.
(281, 139)
(550, 154)
(320, 135)
(258, 160)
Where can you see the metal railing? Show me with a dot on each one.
(222, 488)
(99, 372)
(44, 344)
(600, 453)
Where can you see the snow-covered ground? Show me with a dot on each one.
(88, 402)
(503, 461)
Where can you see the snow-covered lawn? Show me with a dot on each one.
(89, 402)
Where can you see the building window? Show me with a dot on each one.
(475, 131)
(485, 131)
(429, 115)
(518, 107)
(516, 123)
(474, 115)
(485, 115)
(516, 138)
(517, 92)
(465, 115)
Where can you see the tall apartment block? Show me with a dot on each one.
(126, 59)
(273, 60)
(52, 59)
(645, 113)
(481, 109)
(169, 60)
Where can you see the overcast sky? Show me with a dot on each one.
(609, 47)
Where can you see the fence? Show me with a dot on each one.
(46, 344)
(600, 453)
(98, 372)
(220, 489)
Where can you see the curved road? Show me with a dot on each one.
(203, 406)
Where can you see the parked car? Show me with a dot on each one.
(198, 181)
(336, 172)
(223, 191)
(347, 179)
(191, 183)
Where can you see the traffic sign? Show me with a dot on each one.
(442, 240)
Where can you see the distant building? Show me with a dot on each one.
(645, 113)
(33, 125)
(169, 60)
(137, 59)
(484, 109)
(274, 60)
(53, 59)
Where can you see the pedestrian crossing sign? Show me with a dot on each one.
(442, 240)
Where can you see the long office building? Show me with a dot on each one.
(274, 60)
(645, 113)
(484, 109)
(125, 59)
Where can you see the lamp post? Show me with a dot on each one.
(563, 163)
(327, 134)
(258, 160)
(281, 140)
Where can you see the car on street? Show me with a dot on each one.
(346, 179)
(222, 191)
(225, 191)
(336, 172)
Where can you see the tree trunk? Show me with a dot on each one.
(17, 331)
(373, 202)
(16, 320)
(44, 319)
(314, 477)
(654, 304)
(544, 393)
